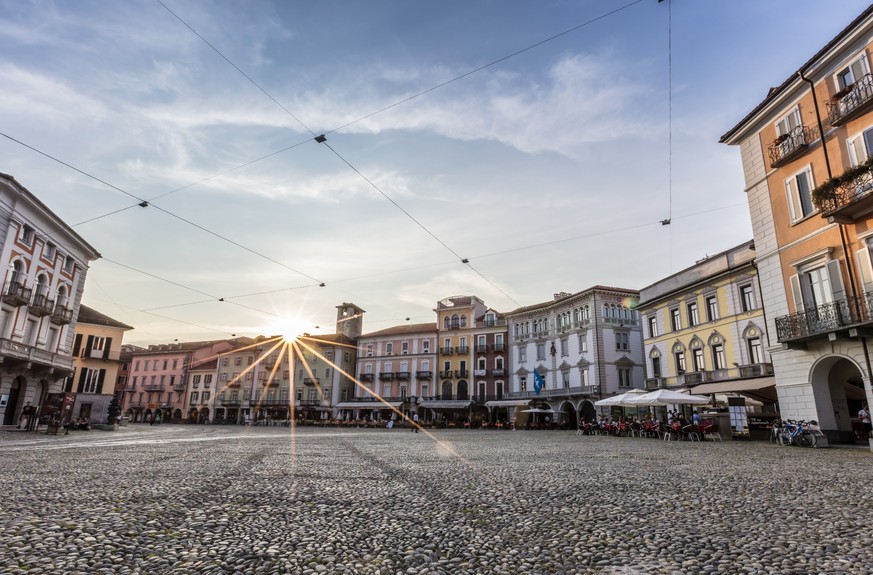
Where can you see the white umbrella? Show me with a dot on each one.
(667, 397)
(621, 399)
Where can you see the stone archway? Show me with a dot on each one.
(566, 416)
(587, 412)
(15, 402)
(838, 391)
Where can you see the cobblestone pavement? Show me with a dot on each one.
(210, 499)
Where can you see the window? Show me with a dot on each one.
(711, 308)
(693, 315)
(697, 359)
(498, 363)
(249, 360)
(624, 377)
(522, 383)
(155, 365)
(404, 348)
(718, 356)
(754, 349)
(565, 377)
(789, 122)
(860, 147)
(799, 188)
(90, 380)
(656, 367)
(583, 344)
(195, 396)
(680, 362)
(389, 348)
(622, 341)
(69, 264)
(26, 236)
(522, 354)
(583, 373)
(425, 346)
(816, 286)
(136, 366)
(49, 252)
(481, 363)
(225, 361)
(237, 361)
(653, 326)
(369, 350)
(328, 392)
(748, 301)
(675, 319)
(565, 348)
(541, 351)
(855, 71)
(207, 379)
(205, 396)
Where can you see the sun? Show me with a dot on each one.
(291, 328)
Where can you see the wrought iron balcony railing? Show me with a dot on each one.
(61, 315)
(42, 305)
(846, 196)
(423, 374)
(824, 319)
(16, 294)
(789, 145)
(852, 101)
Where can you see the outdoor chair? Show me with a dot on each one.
(710, 430)
(690, 431)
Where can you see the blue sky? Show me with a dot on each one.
(549, 171)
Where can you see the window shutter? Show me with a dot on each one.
(81, 386)
(856, 151)
(796, 293)
(865, 269)
(89, 346)
(106, 346)
(100, 377)
(836, 280)
(78, 345)
(793, 199)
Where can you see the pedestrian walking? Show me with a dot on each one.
(864, 416)
(26, 414)
(415, 422)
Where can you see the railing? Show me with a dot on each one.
(386, 399)
(423, 374)
(462, 373)
(480, 372)
(852, 186)
(656, 382)
(179, 386)
(386, 375)
(481, 348)
(499, 347)
(366, 377)
(310, 381)
(789, 145)
(61, 315)
(498, 372)
(851, 101)
(230, 402)
(42, 305)
(16, 294)
(446, 350)
(446, 373)
(587, 390)
(493, 322)
(402, 375)
(462, 349)
(824, 318)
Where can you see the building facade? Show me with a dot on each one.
(585, 346)
(45, 263)
(704, 328)
(805, 151)
(97, 352)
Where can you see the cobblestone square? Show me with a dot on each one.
(211, 499)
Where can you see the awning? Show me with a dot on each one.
(507, 402)
(446, 404)
(368, 405)
(759, 387)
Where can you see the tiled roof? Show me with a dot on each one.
(94, 317)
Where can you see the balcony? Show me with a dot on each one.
(498, 372)
(232, 402)
(462, 373)
(841, 318)
(482, 349)
(61, 315)
(480, 372)
(366, 377)
(499, 347)
(386, 375)
(851, 102)
(755, 370)
(16, 294)
(402, 375)
(461, 349)
(455, 324)
(656, 382)
(847, 197)
(310, 381)
(445, 374)
(790, 145)
(695, 377)
(446, 350)
(423, 374)
(181, 386)
(41, 305)
(271, 382)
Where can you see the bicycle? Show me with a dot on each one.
(800, 433)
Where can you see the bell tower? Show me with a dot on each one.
(349, 320)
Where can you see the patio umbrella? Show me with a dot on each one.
(663, 397)
(622, 399)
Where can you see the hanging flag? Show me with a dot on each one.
(539, 382)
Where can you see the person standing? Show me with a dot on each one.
(415, 422)
(26, 414)
(864, 416)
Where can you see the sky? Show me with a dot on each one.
(542, 142)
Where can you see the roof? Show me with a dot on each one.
(538, 306)
(774, 93)
(403, 329)
(94, 254)
(209, 364)
(94, 317)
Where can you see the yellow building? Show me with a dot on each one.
(704, 328)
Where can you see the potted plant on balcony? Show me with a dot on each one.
(839, 95)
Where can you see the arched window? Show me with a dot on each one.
(446, 322)
(62, 299)
(463, 321)
(42, 285)
(447, 389)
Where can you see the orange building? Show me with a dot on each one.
(805, 150)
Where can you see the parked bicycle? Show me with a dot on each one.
(802, 433)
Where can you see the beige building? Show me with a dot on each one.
(97, 351)
(806, 151)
